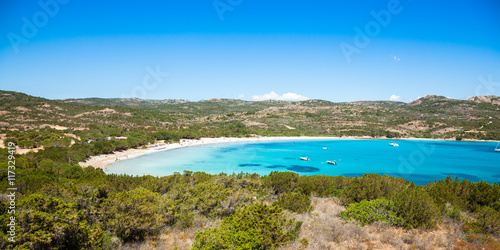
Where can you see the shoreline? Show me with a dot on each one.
(102, 161)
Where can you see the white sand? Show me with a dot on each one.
(102, 161)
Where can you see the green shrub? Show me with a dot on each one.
(372, 186)
(488, 220)
(320, 185)
(282, 182)
(49, 223)
(295, 202)
(416, 207)
(257, 226)
(367, 212)
(132, 215)
(73, 172)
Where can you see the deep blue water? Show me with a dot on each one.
(420, 161)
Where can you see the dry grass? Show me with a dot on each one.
(324, 229)
(174, 238)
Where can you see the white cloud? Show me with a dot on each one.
(395, 98)
(241, 96)
(285, 97)
(397, 58)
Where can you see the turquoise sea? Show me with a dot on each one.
(420, 161)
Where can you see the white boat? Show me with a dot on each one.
(393, 144)
(497, 149)
(331, 162)
(304, 158)
(325, 148)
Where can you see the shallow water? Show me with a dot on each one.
(420, 161)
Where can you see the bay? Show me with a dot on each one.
(420, 161)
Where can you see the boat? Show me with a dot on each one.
(325, 148)
(332, 162)
(304, 158)
(393, 144)
(497, 149)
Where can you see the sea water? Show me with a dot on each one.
(420, 161)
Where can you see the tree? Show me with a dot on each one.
(282, 182)
(135, 214)
(367, 212)
(416, 207)
(295, 202)
(257, 226)
(49, 223)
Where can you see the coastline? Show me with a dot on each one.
(102, 161)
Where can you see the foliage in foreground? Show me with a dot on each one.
(367, 212)
(61, 205)
(416, 208)
(295, 202)
(257, 226)
(132, 215)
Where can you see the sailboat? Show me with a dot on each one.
(497, 149)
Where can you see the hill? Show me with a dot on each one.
(427, 117)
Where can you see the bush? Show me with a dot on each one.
(371, 187)
(73, 172)
(488, 220)
(367, 212)
(257, 226)
(321, 185)
(49, 223)
(282, 182)
(134, 214)
(295, 202)
(416, 207)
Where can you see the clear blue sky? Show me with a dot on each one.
(109, 49)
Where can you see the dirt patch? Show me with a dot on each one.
(23, 109)
(445, 130)
(53, 126)
(104, 112)
(255, 124)
(415, 126)
(72, 136)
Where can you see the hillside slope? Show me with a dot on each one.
(427, 117)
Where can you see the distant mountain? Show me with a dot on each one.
(126, 102)
(429, 117)
(486, 99)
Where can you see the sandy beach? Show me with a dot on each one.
(102, 161)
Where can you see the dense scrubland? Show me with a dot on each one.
(60, 205)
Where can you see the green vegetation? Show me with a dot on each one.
(64, 206)
(367, 212)
(60, 205)
(295, 202)
(257, 226)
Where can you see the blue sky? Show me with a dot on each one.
(250, 50)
